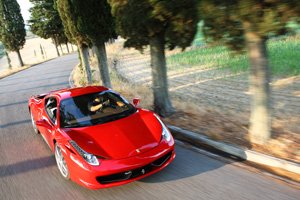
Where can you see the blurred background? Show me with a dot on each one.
(226, 69)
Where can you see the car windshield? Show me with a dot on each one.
(92, 109)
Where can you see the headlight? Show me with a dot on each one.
(89, 158)
(165, 132)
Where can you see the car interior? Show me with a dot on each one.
(51, 108)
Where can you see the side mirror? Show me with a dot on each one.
(136, 102)
(44, 123)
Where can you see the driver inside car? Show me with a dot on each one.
(98, 104)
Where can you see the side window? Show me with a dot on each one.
(51, 108)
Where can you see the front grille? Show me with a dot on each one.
(135, 172)
(159, 162)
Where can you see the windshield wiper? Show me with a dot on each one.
(76, 126)
(98, 121)
(119, 116)
(112, 117)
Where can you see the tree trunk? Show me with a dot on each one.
(67, 48)
(100, 52)
(79, 56)
(260, 119)
(56, 47)
(45, 53)
(83, 51)
(42, 52)
(20, 58)
(8, 60)
(62, 52)
(72, 47)
(93, 51)
(57, 51)
(162, 103)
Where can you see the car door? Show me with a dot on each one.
(50, 118)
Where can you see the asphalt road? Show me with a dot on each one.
(28, 169)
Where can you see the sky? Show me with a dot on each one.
(25, 5)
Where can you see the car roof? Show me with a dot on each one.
(73, 92)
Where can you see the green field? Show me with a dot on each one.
(284, 57)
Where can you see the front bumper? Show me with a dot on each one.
(118, 172)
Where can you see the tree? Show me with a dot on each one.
(8, 60)
(158, 23)
(12, 28)
(93, 19)
(68, 17)
(63, 39)
(46, 23)
(247, 24)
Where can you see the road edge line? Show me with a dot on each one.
(260, 160)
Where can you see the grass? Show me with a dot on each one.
(8, 72)
(211, 57)
(284, 57)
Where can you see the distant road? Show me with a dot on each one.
(28, 169)
(31, 52)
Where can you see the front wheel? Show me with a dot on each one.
(33, 124)
(61, 163)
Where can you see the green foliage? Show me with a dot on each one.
(294, 27)
(138, 21)
(45, 21)
(87, 21)
(62, 7)
(68, 13)
(93, 18)
(199, 38)
(12, 29)
(226, 21)
(284, 57)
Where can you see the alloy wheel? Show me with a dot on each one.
(61, 163)
(33, 124)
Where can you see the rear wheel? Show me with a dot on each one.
(61, 163)
(33, 123)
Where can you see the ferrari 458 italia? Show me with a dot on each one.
(99, 139)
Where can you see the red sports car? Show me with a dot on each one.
(100, 139)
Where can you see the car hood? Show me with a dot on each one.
(119, 139)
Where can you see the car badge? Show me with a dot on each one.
(143, 171)
(138, 151)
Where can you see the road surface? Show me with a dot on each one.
(28, 169)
